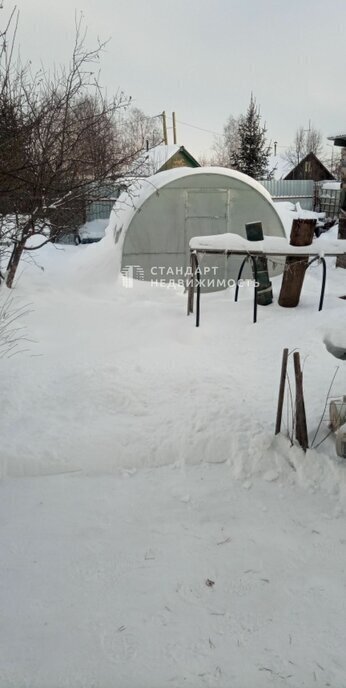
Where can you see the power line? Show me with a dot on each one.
(194, 126)
(208, 131)
(216, 133)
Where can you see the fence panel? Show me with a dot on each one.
(295, 190)
(99, 210)
(329, 201)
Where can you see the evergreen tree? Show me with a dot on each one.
(253, 153)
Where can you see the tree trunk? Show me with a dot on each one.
(292, 282)
(13, 263)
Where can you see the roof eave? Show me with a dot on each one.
(338, 140)
(188, 155)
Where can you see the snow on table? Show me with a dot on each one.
(234, 243)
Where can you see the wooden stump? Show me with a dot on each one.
(292, 282)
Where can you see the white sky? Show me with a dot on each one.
(202, 58)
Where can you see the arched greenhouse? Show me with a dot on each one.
(155, 224)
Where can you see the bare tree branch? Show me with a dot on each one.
(62, 142)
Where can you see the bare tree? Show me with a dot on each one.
(59, 146)
(224, 147)
(314, 141)
(305, 141)
(137, 130)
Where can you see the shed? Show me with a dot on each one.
(154, 227)
(310, 167)
(165, 157)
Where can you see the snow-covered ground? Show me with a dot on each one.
(153, 531)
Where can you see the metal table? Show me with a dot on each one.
(195, 286)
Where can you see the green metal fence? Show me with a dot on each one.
(297, 191)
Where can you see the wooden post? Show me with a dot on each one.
(254, 232)
(292, 282)
(164, 125)
(174, 128)
(281, 391)
(301, 429)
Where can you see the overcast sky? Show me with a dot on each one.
(202, 58)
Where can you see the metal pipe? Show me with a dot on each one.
(239, 276)
(255, 290)
(198, 298)
(324, 276)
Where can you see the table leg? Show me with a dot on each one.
(191, 287)
(324, 276)
(255, 278)
(198, 295)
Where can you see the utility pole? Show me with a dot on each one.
(164, 125)
(174, 128)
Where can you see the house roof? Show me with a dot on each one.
(279, 166)
(320, 163)
(339, 139)
(155, 158)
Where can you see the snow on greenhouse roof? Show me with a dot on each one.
(131, 201)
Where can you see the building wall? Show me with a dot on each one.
(341, 262)
(343, 168)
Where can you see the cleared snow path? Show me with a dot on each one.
(104, 582)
